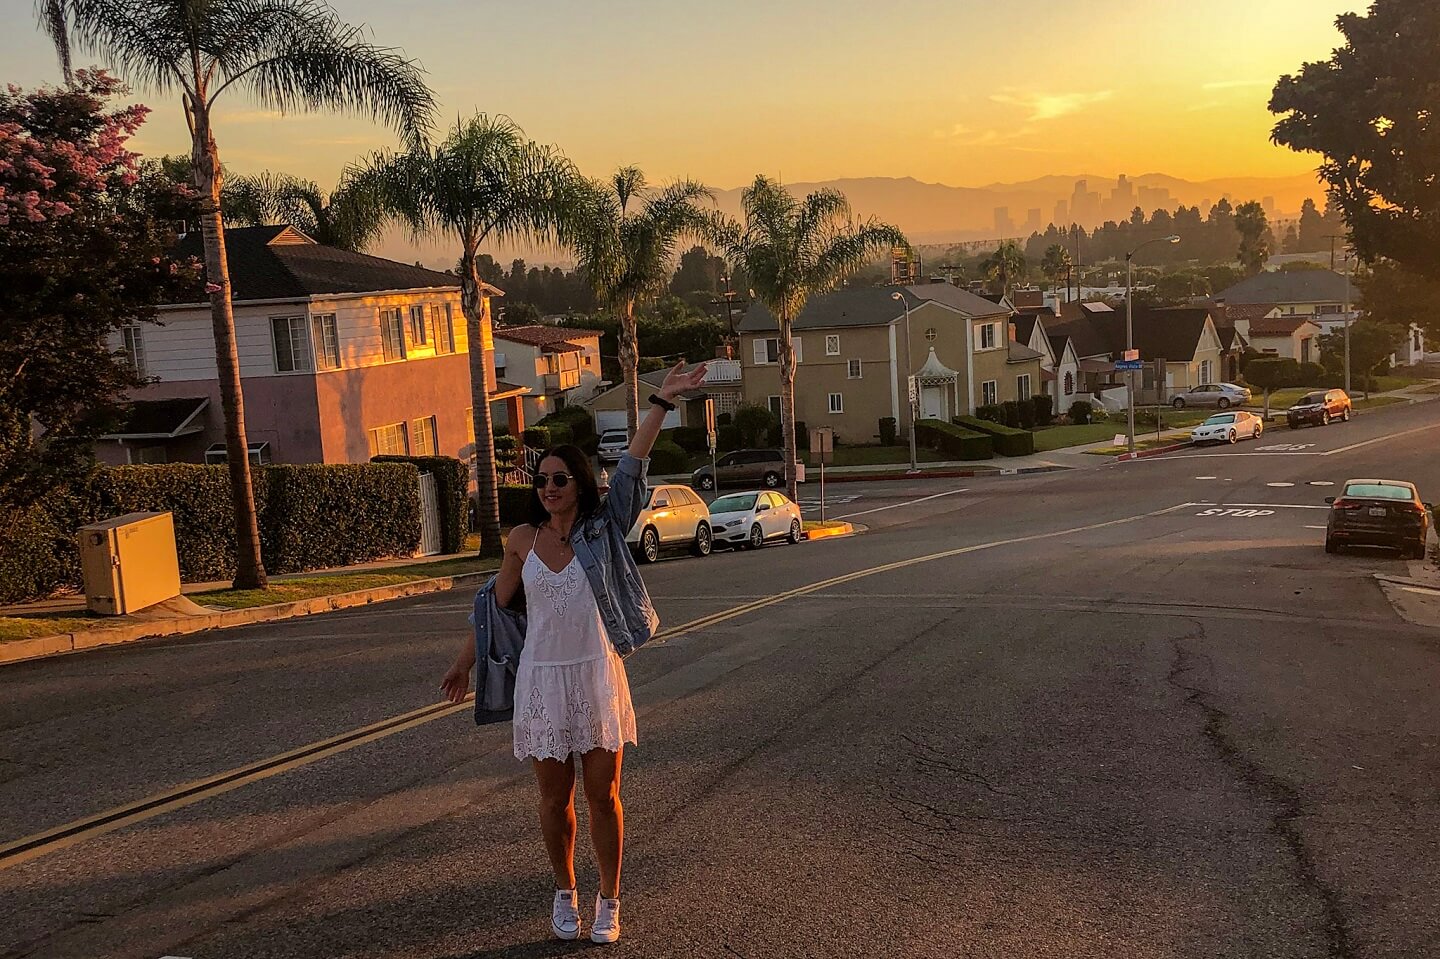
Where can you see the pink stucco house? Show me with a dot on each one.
(342, 356)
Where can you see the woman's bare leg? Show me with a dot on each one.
(557, 816)
(601, 771)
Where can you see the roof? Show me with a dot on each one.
(1020, 353)
(1230, 338)
(1172, 334)
(505, 390)
(554, 338)
(868, 306)
(1024, 326)
(160, 419)
(1299, 286)
(1231, 313)
(281, 263)
(1058, 342)
(1278, 326)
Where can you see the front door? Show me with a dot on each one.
(932, 403)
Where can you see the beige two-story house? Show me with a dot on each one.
(853, 368)
(559, 365)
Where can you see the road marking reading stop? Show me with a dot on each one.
(1284, 448)
(1237, 513)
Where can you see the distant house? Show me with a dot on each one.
(1185, 338)
(1277, 334)
(1059, 366)
(722, 384)
(342, 356)
(559, 365)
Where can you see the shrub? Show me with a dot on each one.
(692, 439)
(538, 438)
(802, 436)
(1044, 409)
(576, 418)
(728, 437)
(1007, 441)
(514, 504)
(887, 430)
(774, 438)
(452, 486)
(1310, 374)
(1080, 412)
(722, 419)
(1025, 413)
(993, 412)
(37, 549)
(666, 458)
(953, 440)
(1011, 414)
(337, 514)
(754, 423)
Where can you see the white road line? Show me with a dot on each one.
(1261, 505)
(1315, 527)
(1319, 483)
(923, 499)
(1279, 485)
(1207, 477)
(1381, 439)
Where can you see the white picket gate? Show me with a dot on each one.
(431, 541)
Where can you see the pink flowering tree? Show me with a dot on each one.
(84, 241)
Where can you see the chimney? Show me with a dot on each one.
(1013, 333)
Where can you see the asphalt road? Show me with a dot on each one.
(1130, 711)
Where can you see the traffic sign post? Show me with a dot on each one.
(1129, 365)
(822, 444)
(710, 435)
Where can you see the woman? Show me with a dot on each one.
(586, 607)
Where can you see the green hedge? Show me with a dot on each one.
(667, 458)
(325, 515)
(954, 440)
(452, 489)
(574, 418)
(1008, 441)
(515, 504)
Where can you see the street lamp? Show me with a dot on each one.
(1130, 327)
(909, 392)
(1349, 259)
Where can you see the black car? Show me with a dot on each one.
(1376, 512)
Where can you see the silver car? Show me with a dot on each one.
(1221, 396)
(750, 520)
(674, 518)
(612, 444)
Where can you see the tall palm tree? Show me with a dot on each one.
(792, 249)
(350, 217)
(1006, 264)
(626, 246)
(287, 55)
(485, 182)
(1055, 265)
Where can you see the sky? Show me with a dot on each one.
(961, 92)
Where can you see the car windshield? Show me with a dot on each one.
(734, 503)
(1311, 399)
(1372, 491)
(1221, 418)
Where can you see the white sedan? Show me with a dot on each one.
(750, 520)
(1228, 428)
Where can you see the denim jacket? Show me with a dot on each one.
(629, 616)
(499, 639)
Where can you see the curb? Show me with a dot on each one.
(1141, 454)
(20, 650)
(830, 532)
(939, 474)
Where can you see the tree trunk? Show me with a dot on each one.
(787, 405)
(206, 170)
(487, 492)
(630, 366)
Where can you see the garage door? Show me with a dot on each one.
(615, 420)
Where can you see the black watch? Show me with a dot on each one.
(664, 404)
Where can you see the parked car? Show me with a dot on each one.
(613, 443)
(1377, 512)
(1319, 407)
(1222, 396)
(750, 520)
(1228, 428)
(743, 468)
(674, 518)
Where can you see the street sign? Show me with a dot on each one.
(1129, 365)
(822, 443)
(710, 423)
(914, 391)
(1131, 355)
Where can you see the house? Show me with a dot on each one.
(559, 365)
(1295, 337)
(1059, 372)
(1184, 338)
(342, 356)
(1318, 294)
(852, 368)
(722, 384)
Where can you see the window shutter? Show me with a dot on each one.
(799, 349)
(759, 351)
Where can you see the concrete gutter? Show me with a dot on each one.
(1142, 454)
(19, 650)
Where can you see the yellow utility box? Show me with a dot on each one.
(129, 563)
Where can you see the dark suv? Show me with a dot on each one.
(743, 468)
(1319, 408)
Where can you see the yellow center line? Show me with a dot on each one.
(51, 840)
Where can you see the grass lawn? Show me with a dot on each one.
(310, 587)
(1375, 402)
(1145, 444)
(48, 624)
(1279, 399)
(1059, 437)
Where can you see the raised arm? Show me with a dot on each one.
(677, 383)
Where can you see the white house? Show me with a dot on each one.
(559, 365)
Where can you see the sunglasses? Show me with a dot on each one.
(561, 480)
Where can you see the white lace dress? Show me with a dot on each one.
(571, 692)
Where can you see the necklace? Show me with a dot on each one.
(563, 537)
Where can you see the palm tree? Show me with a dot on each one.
(484, 182)
(1055, 265)
(288, 55)
(627, 253)
(791, 249)
(350, 217)
(1006, 264)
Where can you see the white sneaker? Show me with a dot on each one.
(565, 914)
(606, 927)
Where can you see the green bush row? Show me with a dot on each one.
(954, 440)
(1007, 440)
(452, 491)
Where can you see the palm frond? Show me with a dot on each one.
(144, 40)
(54, 20)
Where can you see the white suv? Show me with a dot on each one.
(613, 443)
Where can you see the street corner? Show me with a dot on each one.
(833, 529)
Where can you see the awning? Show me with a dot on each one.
(161, 419)
(562, 347)
(935, 373)
(1048, 376)
(504, 391)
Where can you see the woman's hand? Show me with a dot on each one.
(678, 382)
(456, 683)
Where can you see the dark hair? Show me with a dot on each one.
(577, 464)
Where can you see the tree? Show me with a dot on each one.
(1393, 296)
(1056, 265)
(1371, 344)
(1006, 266)
(1290, 242)
(1369, 111)
(625, 244)
(1254, 229)
(350, 217)
(1272, 373)
(84, 242)
(699, 272)
(792, 249)
(288, 55)
(1311, 236)
(485, 182)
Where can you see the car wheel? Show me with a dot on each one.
(704, 540)
(1179, 403)
(773, 480)
(1233, 437)
(795, 531)
(1224, 404)
(1259, 429)
(757, 537)
(707, 482)
(1325, 418)
(1294, 426)
(1331, 546)
(1345, 415)
(649, 545)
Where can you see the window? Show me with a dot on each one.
(1022, 387)
(775, 405)
(1205, 371)
(988, 332)
(422, 437)
(419, 329)
(292, 347)
(442, 318)
(832, 344)
(1069, 382)
(989, 393)
(392, 335)
(767, 351)
(135, 347)
(389, 440)
(837, 402)
(327, 341)
(854, 371)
